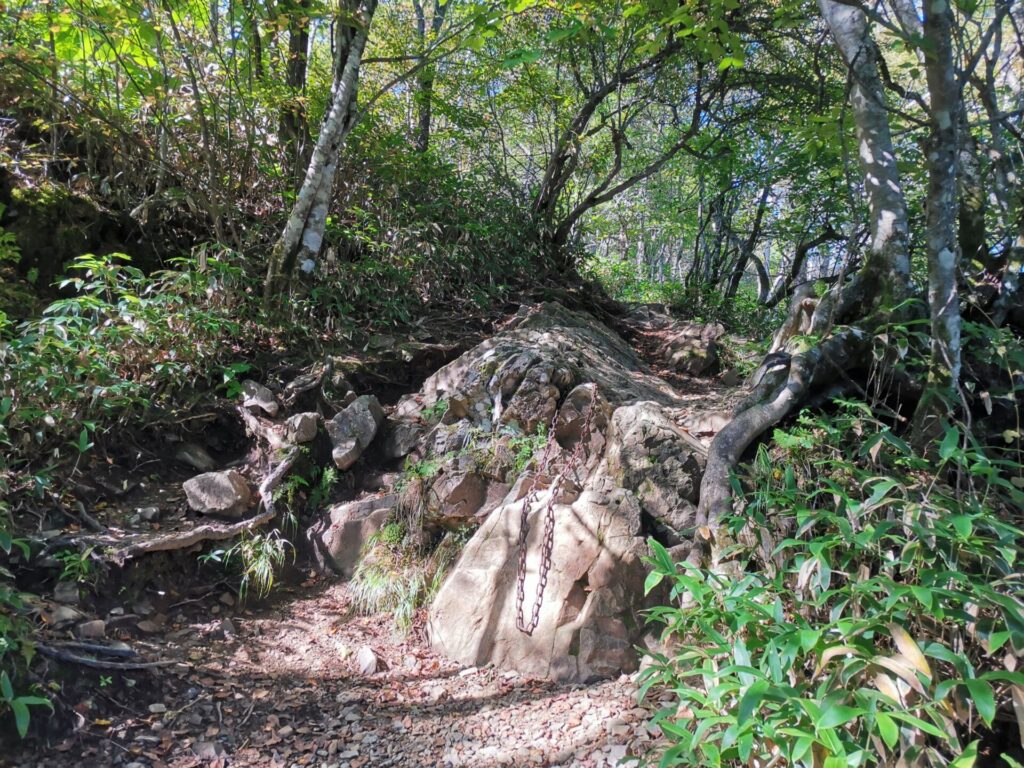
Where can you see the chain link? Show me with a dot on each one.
(548, 543)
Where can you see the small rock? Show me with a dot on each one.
(149, 514)
(195, 456)
(228, 628)
(218, 493)
(285, 732)
(66, 592)
(154, 624)
(158, 708)
(618, 727)
(435, 693)
(92, 630)
(353, 429)
(227, 599)
(256, 395)
(65, 614)
(367, 660)
(209, 750)
(302, 427)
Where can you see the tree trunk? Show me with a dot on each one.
(887, 266)
(747, 246)
(303, 234)
(1004, 266)
(425, 77)
(973, 237)
(294, 128)
(941, 216)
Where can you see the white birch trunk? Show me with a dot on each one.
(304, 232)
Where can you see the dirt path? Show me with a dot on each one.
(282, 686)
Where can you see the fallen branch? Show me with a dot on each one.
(214, 531)
(84, 661)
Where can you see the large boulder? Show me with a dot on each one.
(224, 493)
(353, 429)
(659, 462)
(691, 347)
(590, 616)
(338, 539)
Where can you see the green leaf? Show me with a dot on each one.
(950, 443)
(920, 724)
(837, 714)
(557, 35)
(967, 758)
(962, 524)
(5, 687)
(21, 716)
(983, 698)
(751, 701)
(521, 56)
(889, 731)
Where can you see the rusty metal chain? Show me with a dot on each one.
(548, 542)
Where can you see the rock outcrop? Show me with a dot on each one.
(617, 469)
(556, 416)
(660, 464)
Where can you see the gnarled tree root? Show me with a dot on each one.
(807, 370)
(214, 532)
(85, 661)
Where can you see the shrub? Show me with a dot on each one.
(861, 610)
(742, 314)
(121, 343)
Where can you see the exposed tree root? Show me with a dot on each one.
(85, 661)
(807, 371)
(214, 532)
